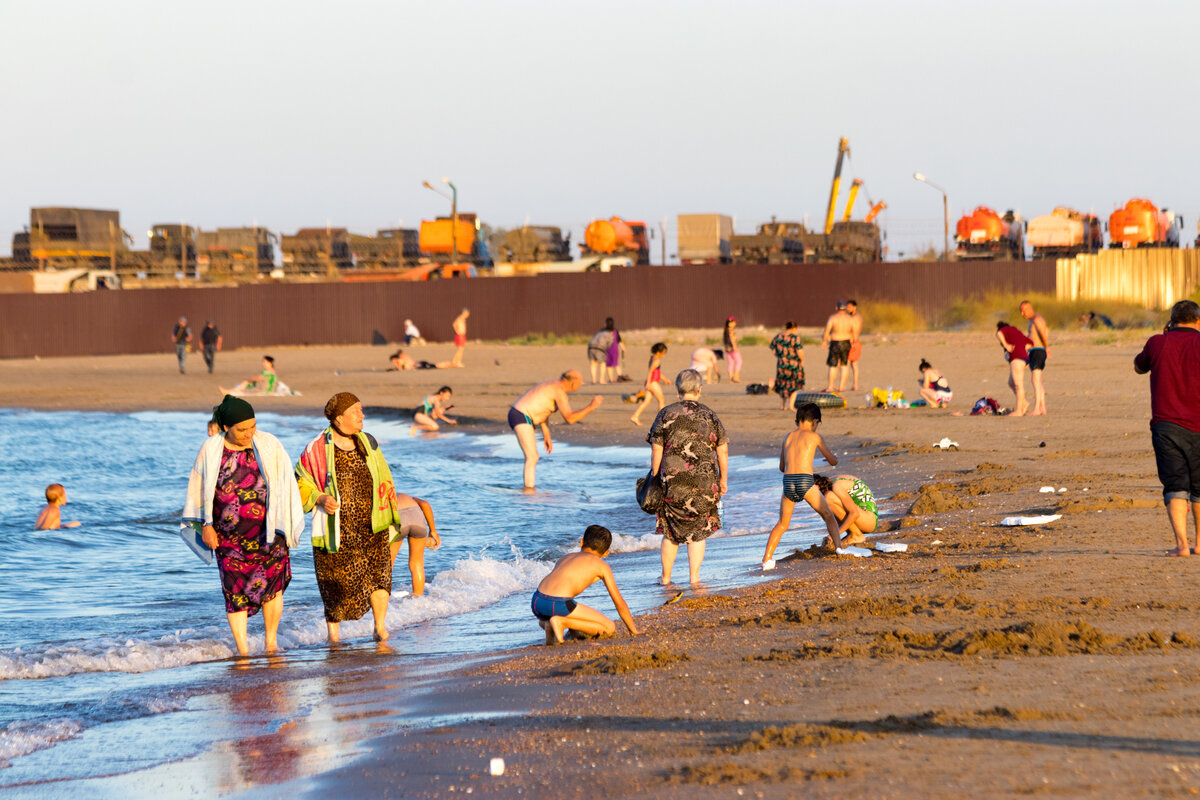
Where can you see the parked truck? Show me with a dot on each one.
(704, 238)
(1064, 233)
(440, 238)
(985, 235)
(236, 251)
(1140, 224)
(533, 244)
(617, 237)
(774, 243)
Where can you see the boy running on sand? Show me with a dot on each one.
(553, 603)
(796, 464)
(51, 516)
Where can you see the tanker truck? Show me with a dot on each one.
(617, 237)
(1064, 233)
(1141, 224)
(440, 237)
(985, 235)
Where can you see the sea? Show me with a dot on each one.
(115, 654)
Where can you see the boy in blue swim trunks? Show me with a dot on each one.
(796, 464)
(554, 601)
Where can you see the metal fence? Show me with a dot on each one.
(1151, 278)
(140, 321)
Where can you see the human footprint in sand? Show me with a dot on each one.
(796, 464)
(852, 503)
(553, 603)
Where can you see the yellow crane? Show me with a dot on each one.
(843, 151)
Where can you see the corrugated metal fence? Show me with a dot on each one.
(140, 321)
(1151, 278)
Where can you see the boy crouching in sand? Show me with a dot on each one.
(553, 602)
(51, 516)
(796, 464)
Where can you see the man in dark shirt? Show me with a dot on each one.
(181, 336)
(210, 341)
(1173, 360)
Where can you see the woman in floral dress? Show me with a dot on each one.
(789, 363)
(689, 451)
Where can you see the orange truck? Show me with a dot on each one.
(1140, 224)
(617, 237)
(1064, 233)
(984, 234)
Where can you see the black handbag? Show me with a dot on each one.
(650, 494)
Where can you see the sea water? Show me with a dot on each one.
(114, 633)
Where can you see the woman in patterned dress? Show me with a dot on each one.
(789, 362)
(689, 451)
(242, 496)
(344, 472)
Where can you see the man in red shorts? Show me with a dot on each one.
(460, 337)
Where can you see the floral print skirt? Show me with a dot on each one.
(252, 572)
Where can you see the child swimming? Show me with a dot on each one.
(51, 517)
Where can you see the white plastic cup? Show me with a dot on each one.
(496, 768)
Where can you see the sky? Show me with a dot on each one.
(298, 114)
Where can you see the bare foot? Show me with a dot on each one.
(853, 540)
(1181, 552)
(557, 627)
(381, 635)
(1037, 413)
(664, 580)
(635, 421)
(549, 632)
(1196, 550)
(272, 647)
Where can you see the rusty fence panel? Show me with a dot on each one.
(140, 321)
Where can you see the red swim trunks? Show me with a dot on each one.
(460, 339)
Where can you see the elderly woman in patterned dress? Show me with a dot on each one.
(343, 474)
(789, 363)
(244, 503)
(689, 452)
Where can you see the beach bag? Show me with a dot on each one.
(650, 495)
(756, 388)
(986, 405)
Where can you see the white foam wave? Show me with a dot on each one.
(628, 543)
(24, 737)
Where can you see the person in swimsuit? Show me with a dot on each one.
(733, 356)
(704, 361)
(554, 601)
(855, 340)
(1015, 346)
(460, 337)
(262, 383)
(534, 409)
(426, 415)
(934, 387)
(417, 528)
(1039, 336)
(796, 463)
(653, 378)
(852, 503)
(838, 335)
(597, 351)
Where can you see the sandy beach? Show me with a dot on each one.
(1051, 660)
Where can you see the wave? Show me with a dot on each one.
(25, 736)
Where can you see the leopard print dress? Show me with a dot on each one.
(363, 561)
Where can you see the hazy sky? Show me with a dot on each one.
(297, 113)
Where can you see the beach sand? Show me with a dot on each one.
(1054, 660)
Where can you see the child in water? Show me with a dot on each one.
(553, 603)
(434, 407)
(51, 517)
(796, 464)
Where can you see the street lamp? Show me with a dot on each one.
(453, 214)
(945, 214)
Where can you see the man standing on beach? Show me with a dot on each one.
(856, 339)
(1038, 353)
(839, 332)
(181, 337)
(460, 337)
(1173, 360)
(210, 342)
(535, 407)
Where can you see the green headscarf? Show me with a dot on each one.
(232, 411)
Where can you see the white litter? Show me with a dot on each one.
(1013, 522)
(946, 444)
(496, 767)
(936, 541)
(857, 552)
(1062, 488)
(939, 529)
(1046, 489)
(891, 547)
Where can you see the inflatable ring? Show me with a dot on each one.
(822, 399)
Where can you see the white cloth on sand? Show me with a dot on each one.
(1012, 522)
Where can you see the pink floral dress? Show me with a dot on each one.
(252, 572)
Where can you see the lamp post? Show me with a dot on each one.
(453, 214)
(945, 214)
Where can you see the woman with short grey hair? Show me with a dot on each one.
(689, 452)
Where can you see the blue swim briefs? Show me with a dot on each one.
(516, 418)
(796, 485)
(544, 606)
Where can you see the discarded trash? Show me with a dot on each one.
(857, 552)
(936, 541)
(1046, 489)
(892, 547)
(1012, 522)
(497, 766)
(1062, 488)
(946, 444)
(1041, 444)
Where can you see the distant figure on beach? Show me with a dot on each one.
(704, 361)
(460, 337)
(838, 336)
(434, 407)
(796, 463)
(1039, 335)
(653, 379)
(934, 387)
(50, 517)
(412, 334)
(342, 473)
(856, 340)
(789, 363)
(401, 361)
(1171, 358)
(181, 337)
(242, 495)
(553, 602)
(597, 351)
(264, 383)
(416, 526)
(733, 356)
(853, 504)
(689, 452)
(210, 343)
(535, 407)
(1016, 352)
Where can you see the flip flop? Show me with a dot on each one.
(674, 598)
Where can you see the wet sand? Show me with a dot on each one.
(1053, 660)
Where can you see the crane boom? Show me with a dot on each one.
(843, 151)
(850, 200)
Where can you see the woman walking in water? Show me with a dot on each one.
(653, 378)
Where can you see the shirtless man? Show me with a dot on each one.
(535, 407)
(839, 333)
(856, 341)
(460, 337)
(1039, 351)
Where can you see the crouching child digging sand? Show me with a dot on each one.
(554, 601)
